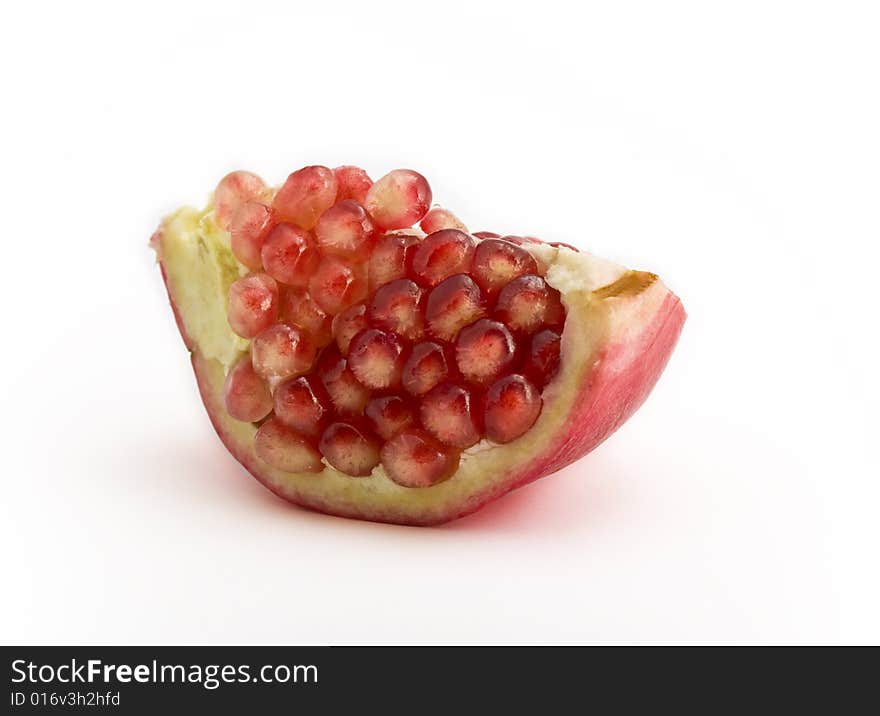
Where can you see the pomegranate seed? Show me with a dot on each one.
(298, 309)
(413, 458)
(442, 254)
(389, 414)
(527, 303)
(248, 230)
(439, 218)
(390, 258)
(487, 235)
(376, 358)
(346, 230)
(426, 367)
(397, 307)
(353, 183)
(336, 285)
(484, 350)
(399, 199)
(542, 361)
(290, 255)
(349, 323)
(349, 397)
(350, 449)
(284, 449)
(452, 305)
(253, 304)
(449, 414)
(512, 406)
(306, 195)
(235, 189)
(282, 351)
(246, 395)
(498, 262)
(303, 404)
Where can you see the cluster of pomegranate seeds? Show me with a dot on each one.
(371, 345)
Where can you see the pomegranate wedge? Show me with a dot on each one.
(364, 355)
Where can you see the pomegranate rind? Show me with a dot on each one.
(620, 331)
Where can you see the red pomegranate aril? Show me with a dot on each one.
(413, 458)
(348, 324)
(399, 199)
(306, 195)
(348, 395)
(284, 449)
(484, 350)
(345, 230)
(335, 285)
(389, 414)
(350, 449)
(450, 413)
(303, 404)
(452, 305)
(253, 304)
(527, 303)
(235, 189)
(439, 218)
(248, 230)
(376, 358)
(426, 367)
(289, 255)
(442, 254)
(486, 235)
(391, 258)
(542, 361)
(397, 307)
(498, 262)
(282, 351)
(512, 407)
(245, 394)
(352, 183)
(299, 309)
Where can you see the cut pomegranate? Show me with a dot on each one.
(484, 350)
(306, 195)
(498, 262)
(426, 367)
(336, 284)
(345, 230)
(449, 414)
(303, 404)
(542, 360)
(353, 183)
(413, 458)
(248, 230)
(350, 449)
(390, 258)
(348, 395)
(289, 255)
(452, 305)
(389, 414)
(439, 218)
(246, 394)
(527, 303)
(235, 189)
(285, 449)
(282, 351)
(512, 407)
(359, 347)
(253, 304)
(442, 254)
(398, 307)
(376, 358)
(399, 199)
(348, 324)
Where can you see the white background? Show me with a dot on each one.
(731, 147)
